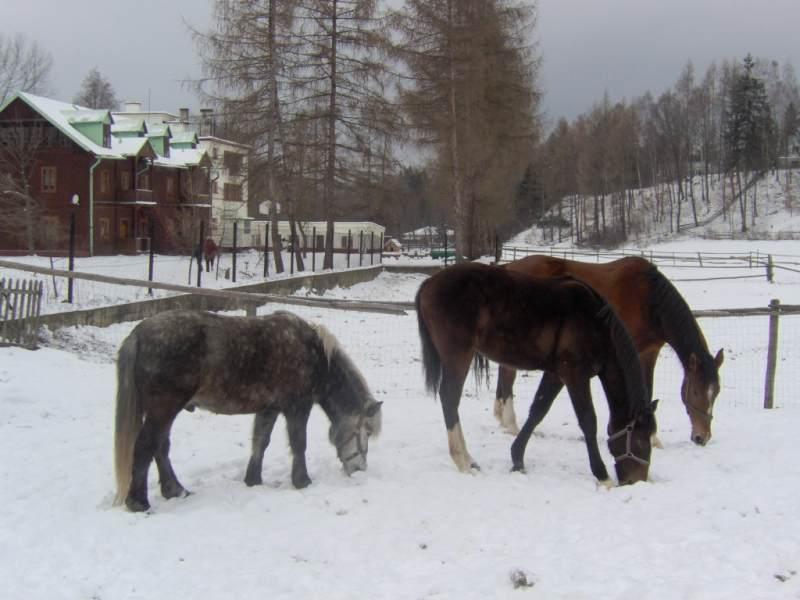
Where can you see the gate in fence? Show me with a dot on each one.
(20, 308)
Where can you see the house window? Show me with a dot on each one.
(105, 182)
(320, 245)
(214, 187)
(105, 229)
(51, 230)
(214, 153)
(48, 179)
(344, 241)
(144, 181)
(233, 162)
(232, 192)
(124, 229)
(125, 180)
(170, 186)
(247, 226)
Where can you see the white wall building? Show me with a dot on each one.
(362, 234)
(230, 161)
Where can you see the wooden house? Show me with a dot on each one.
(119, 178)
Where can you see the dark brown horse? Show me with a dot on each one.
(654, 313)
(475, 311)
(233, 365)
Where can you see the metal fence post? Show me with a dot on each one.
(266, 250)
(151, 258)
(199, 254)
(772, 353)
(235, 241)
(770, 271)
(313, 249)
(70, 281)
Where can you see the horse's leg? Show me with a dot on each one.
(548, 389)
(581, 396)
(296, 422)
(504, 400)
(143, 452)
(262, 431)
(170, 486)
(648, 360)
(450, 394)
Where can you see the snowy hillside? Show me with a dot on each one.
(777, 213)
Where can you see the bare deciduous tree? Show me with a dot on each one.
(24, 66)
(20, 208)
(472, 95)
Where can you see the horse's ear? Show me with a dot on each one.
(373, 408)
(719, 358)
(693, 362)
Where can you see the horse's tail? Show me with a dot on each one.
(480, 368)
(431, 361)
(129, 416)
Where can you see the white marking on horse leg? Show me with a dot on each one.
(458, 449)
(498, 409)
(655, 442)
(606, 483)
(509, 420)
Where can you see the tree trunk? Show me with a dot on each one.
(330, 172)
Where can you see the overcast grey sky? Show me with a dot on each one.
(624, 47)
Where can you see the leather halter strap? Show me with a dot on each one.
(627, 431)
(356, 433)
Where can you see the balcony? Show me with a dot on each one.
(135, 196)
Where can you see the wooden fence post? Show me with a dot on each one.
(772, 353)
(770, 272)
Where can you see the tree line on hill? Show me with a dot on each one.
(724, 129)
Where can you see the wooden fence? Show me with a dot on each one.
(20, 308)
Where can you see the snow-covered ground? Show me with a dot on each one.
(177, 270)
(716, 522)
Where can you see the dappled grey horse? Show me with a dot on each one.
(233, 365)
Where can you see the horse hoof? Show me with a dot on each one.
(605, 483)
(253, 481)
(518, 468)
(474, 465)
(301, 482)
(135, 505)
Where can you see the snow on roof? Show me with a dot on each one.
(159, 130)
(182, 158)
(87, 115)
(130, 146)
(122, 125)
(59, 113)
(184, 137)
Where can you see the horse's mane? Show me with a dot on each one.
(680, 328)
(628, 358)
(329, 341)
(334, 351)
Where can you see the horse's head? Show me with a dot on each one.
(351, 436)
(631, 446)
(699, 390)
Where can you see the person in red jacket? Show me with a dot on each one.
(210, 252)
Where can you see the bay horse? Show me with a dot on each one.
(654, 313)
(279, 363)
(476, 311)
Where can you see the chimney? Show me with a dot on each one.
(184, 114)
(133, 106)
(206, 121)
